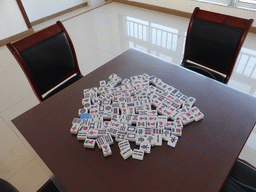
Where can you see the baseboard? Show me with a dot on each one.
(164, 10)
(58, 14)
(16, 37)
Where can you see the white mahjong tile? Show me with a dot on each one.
(120, 137)
(107, 109)
(178, 123)
(158, 140)
(101, 109)
(141, 112)
(105, 102)
(174, 115)
(157, 131)
(151, 124)
(183, 110)
(146, 147)
(75, 128)
(131, 110)
(138, 154)
(190, 116)
(89, 143)
(152, 118)
(82, 135)
(145, 76)
(85, 122)
(106, 124)
(101, 90)
(176, 131)
(131, 137)
(94, 111)
(84, 128)
(194, 110)
(92, 133)
(141, 124)
(109, 139)
(187, 105)
(131, 129)
(166, 135)
(148, 131)
(126, 153)
(116, 125)
(106, 150)
(112, 76)
(77, 120)
(112, 131)
(140, 131)
(101, 141)
(140, 139)
(161, 124)
(185, 120)
(124, 111)
(170, 124)
(82, 111)
(172, 141)
(123, 144)
(191, 100)
(103, 83)
(92, 124)
(198, 116)
(151, 140)
(152, 113)
(102, 132)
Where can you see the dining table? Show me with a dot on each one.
(201, 161)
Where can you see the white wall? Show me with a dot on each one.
(11, 19)
(189, 5)
(38, 9)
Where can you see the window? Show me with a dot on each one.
(244, 4)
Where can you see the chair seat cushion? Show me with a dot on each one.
(63, 86)
(204, 71)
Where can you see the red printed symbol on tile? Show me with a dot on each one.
(74, 128)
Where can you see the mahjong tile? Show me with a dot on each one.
(109, 139)
(198, 116)
(102, 132)
(146, 147)
(131, 137)
(140, 139)
(106, 150)
(176, 131)
(101, 141)
(82, 135)
(148, 131)
(123, 144)
(166, 135)
(152, 113)
(158, 140)
(112, 132)
(126, 153)
(151, 140)
(131, 129)
(89, 143)
(170, 124)
(120, 137)
(75, 128)
(172, 141)
(178, 123)
(92, 134)
(141, 124)
(103, 83)
(140, 131)
(157, 131)
(138, 154)
(161, 124)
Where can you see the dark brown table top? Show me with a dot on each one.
(201, 161)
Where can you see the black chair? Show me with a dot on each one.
(6, 186)
(213, 43)
(241, 179)
(47, 58)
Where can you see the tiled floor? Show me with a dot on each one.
(98, 36)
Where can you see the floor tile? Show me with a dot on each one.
(13, 154)
(14, 87)
(20, 108)
(30, 178)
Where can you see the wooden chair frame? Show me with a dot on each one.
(33, 39)
(224, 19)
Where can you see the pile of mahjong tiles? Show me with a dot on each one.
(142, 109)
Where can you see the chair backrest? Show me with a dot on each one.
(46, 57)
(214, 40)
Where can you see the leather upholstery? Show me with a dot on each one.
(64, 85)
(49, 60)
(6, 186)
(242, 178)
(213, 43)
(204, 71)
